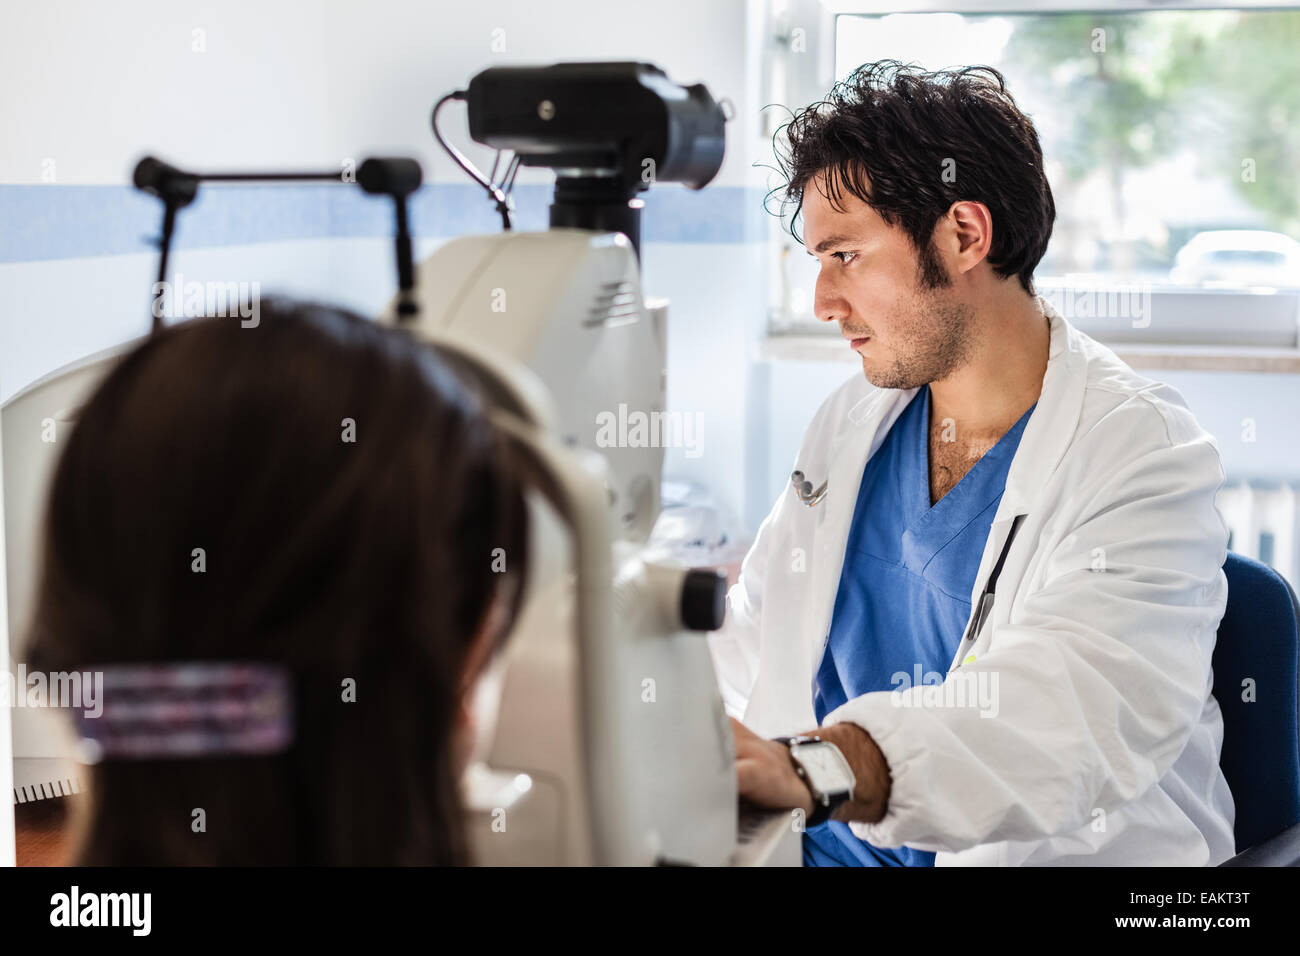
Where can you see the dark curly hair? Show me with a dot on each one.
(898, 127)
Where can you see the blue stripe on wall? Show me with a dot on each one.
(42, 222)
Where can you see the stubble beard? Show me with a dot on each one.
(935, 339)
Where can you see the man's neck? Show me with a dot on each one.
(1003, 375)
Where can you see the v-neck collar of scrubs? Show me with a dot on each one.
(935, 525)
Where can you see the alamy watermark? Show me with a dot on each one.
(637, 429)
(1130, 301)
(74, 689)
(129, 910)
(191, 300)
(974, 689)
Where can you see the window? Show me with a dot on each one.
(1172, 142)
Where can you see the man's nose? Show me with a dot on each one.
(828, 305)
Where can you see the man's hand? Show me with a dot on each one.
(765, 774)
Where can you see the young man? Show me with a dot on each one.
(999, 617)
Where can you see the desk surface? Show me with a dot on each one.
(41, 831)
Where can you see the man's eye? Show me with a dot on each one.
(835, 255)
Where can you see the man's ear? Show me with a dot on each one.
(967, 234)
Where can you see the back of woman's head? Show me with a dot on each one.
(316, 492)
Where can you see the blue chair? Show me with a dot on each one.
(1259, 640)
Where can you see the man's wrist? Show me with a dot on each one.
(870, 796)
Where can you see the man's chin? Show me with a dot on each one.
(873, 377)
(872, 373)
(880, 379)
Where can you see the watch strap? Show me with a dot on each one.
(822, 811)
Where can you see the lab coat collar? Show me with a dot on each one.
(1051, 427)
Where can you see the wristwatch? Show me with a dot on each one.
(821, 767)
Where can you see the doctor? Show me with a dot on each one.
(997, 622)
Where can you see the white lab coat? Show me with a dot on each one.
(1104, 745)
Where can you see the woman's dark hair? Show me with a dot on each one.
(901, 128)
(370, 560)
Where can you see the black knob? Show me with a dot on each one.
(704, 599)
(168, 183)
(389, 176)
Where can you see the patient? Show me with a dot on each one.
(291, 550)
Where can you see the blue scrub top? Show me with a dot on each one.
(904, 591)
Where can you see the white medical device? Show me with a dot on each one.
(34, 426)
(611, 743)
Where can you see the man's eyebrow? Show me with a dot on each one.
(832, 241)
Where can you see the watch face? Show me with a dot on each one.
(827, 770)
